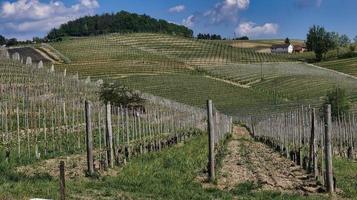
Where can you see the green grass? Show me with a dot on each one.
(346, 176)
(170, 174)
(347, 66)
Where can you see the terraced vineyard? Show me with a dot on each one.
(347, 66)
(152, 53)
(289, 82)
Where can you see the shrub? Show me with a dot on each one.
(339, 102)
(119, 94)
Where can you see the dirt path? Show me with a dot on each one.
(250, 161)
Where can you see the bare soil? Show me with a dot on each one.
(250, 161)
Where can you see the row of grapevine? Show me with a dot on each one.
(303, 135)
(42, 115)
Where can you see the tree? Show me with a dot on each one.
(320, 41)
(118, 94)
(2, 40)
(344, 41)
(355, 39)
(11, 42)
(287, 41)
(339, 102)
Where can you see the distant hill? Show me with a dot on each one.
(121, 22)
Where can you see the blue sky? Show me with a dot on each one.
(256, 18)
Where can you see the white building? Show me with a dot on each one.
(282, 48)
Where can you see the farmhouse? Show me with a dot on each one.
(282, 48)
(299, 49)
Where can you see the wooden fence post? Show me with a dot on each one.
(210, 128)
(109, 136)
(62, 181)
(328, 150)
(313, 145)
(89, 138)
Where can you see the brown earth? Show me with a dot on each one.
(250, 161)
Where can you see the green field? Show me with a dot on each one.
(347, 66)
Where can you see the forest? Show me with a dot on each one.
(121, 22)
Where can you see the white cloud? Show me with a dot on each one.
(226, 11)
(177, 9)
(189, 21)
(34, 16)
(252, 29)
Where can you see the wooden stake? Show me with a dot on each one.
(210, 128)
(109, 136)
(62, 181)
(89, 138)
(328, 150)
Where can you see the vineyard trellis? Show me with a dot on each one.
(43, 115)
(301, 136)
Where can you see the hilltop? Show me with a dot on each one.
(121, 22)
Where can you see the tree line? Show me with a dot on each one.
(321, 41)
(121, 22)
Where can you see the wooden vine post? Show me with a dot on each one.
(89, 138)
(328, 150)
(313, 146)
(62, 181)
(109, 136)
(210, 128)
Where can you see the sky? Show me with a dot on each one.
(258, 19)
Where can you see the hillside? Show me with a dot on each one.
(121, 22)
(191, 71)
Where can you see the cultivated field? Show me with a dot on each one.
(189, 71)
(43, 121)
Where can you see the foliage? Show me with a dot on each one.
(242, 38)
(2, 40)
(118, 94)
(121, 22)
(339, 102)
(209, 36)
(320, 41)
(344, 41)
(287, 41)
(11, 42)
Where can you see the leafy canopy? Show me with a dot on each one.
(320, 41)
(339, 102)
(118, 94)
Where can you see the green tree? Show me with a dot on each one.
(287, 41)
(118, 94)
(339, 102)
(320, 41)
(344, 41)
(355, 39)
(2, 40)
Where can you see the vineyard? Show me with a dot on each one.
(347, 66)
(50, 111)
(43, 116)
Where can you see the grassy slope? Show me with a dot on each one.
(348, 66)
(169, 174)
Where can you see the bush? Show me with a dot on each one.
(118, 94)
(339, 102)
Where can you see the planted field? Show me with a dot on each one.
(347, 66)
(176, 68)
(287, 82)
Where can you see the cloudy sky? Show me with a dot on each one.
(25, 19)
